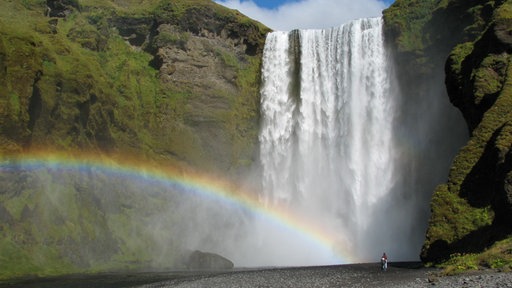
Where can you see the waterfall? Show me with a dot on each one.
(331, 141)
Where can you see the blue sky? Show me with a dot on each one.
(286, 15)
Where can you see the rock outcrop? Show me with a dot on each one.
(208, 261)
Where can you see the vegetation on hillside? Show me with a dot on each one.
(88, 80)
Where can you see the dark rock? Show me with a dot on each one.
(208, 261)
(503, 203)
(135, 31)
(61, 8)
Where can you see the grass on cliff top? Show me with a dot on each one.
(164, 8)
(407, 18)
(133, 8)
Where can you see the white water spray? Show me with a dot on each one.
(330, 140)
(326, 138)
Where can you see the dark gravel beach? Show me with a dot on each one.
(357, 275)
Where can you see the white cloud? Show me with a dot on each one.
(308, 14)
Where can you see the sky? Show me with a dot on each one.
(286, 15)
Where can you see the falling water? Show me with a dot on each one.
(330, 149)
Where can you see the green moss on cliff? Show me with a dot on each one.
(458, 54)
(489, 76)
(444, 227)
(406, 20)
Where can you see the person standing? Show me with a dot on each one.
(384, 261)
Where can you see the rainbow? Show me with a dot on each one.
(207, 186)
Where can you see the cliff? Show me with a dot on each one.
(167, 84)
(470, 223)
(170, 80)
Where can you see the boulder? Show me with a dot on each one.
(208, 261)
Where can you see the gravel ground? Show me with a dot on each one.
(361, 275)
(356, 275)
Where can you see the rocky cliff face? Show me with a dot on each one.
(171, 80)
(470, 223)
